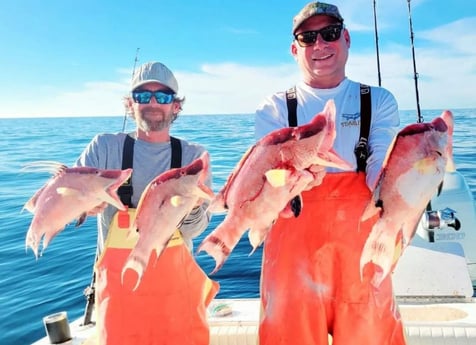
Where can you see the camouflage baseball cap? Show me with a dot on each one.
(314, 9)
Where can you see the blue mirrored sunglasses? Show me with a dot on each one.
(144, 97)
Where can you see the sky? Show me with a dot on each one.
(75, 58)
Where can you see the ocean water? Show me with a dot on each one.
(31, 289)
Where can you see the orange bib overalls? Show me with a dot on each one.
(311, 286)
(169, 305)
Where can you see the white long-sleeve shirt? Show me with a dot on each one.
(149, 160)
(272, 114)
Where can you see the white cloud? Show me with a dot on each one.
(233, 88)
(446, 64)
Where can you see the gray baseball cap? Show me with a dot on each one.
(314, 9)
(154, 72)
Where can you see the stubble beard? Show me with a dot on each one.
(149, 121)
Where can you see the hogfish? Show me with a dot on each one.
(411, 174)
(69, 195)
(165, 202)
(272, 172)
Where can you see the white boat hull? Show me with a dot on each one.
(429, 323)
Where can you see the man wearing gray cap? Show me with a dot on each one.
(311, 286)
(169, 304)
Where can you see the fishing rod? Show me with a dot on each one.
(132, 77)
(415, 73)
(376, 45)
(89, 292)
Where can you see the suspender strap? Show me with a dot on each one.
(125, 191)
(361, 150)
(176, 161)
(291, 101)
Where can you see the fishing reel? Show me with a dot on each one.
(439, 219)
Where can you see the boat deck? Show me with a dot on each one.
(425, 324)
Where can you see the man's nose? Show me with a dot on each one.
(153, 99)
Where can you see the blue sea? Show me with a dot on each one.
(31, 289)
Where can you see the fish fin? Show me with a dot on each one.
(371, 210)
(277, 177)
(257, 237)
(332, 159)
(450, 165)
(48, 166)
(160, 249)
(48, 237)
(217, 205)
(447, 117)
(30, 205)
(204, 192)
(33, 242)
(388, 153)
(113, 200)
(440, 188)
(81, 219)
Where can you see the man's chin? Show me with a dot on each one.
(155, 126)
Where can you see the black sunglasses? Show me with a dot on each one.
(330, 33)
(144, 97)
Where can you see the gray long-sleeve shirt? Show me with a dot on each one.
(150, 160)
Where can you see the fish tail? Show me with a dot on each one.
(33, 245)
(33, 241)
(217, 249)
(136, 264)
(379, 250)
(256, 237)
(217, 205)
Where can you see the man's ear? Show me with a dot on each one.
(128, 106)
(293, 49)
(347, 37)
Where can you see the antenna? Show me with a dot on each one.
(132, 76)
(415, 74)
(376, 46)
(135, 63)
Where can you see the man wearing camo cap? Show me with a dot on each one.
(311, 286)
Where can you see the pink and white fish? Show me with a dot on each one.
(411, 174)
(275, 170)
(69, 195)
(165, 202)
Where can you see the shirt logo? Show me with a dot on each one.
(350, 120)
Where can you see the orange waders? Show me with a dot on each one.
(311, 285)
(168, 306)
